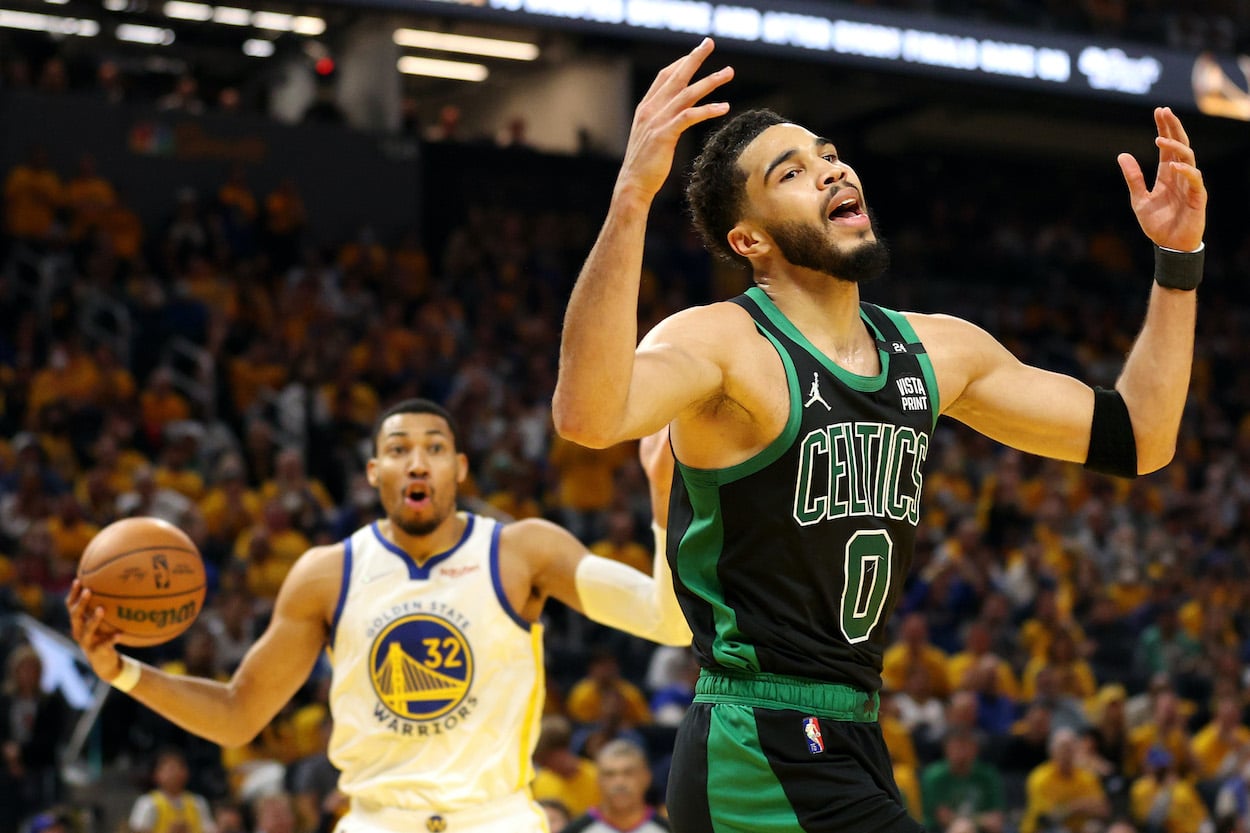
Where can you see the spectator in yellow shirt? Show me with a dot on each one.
(1048, 620)
(1165, 728)
(1219, 745)
(70, 531)
(269, 549)
(87, 196)
(175, 467)
(912, 648)
(1162, 801)
(160, 404)
(585, 483)
(1061, 793)
(32, 195)
(972, 658)
(230, 506)
(620, 543)
(259, 369)
(1074, 677)
(562, 775)
(236, 196)
(69, 376)
(303, 497)
(518, 495)
(585, 701)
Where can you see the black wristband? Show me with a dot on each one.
(1179, 270)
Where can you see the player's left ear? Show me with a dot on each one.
(748, 241)
(462, 467)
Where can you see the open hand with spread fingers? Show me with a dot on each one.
(1173, 213)
(669, 108)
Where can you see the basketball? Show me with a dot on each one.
(147, 575)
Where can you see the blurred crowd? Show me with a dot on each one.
(1071, 650)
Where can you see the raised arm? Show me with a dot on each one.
(1155, 379)
(231, 713)
(984, 386)
(602, 394)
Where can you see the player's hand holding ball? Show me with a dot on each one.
(140, 582)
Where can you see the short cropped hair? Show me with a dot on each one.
(416, 406)
(716, 190)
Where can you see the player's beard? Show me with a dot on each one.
(807, 246)
(417, 527)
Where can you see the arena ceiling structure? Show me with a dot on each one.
(904, 82)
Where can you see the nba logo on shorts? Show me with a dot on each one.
(811, 728)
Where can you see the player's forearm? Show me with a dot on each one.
(203, 707)
(1155, 379)
(601, 328)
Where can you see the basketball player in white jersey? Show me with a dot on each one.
(430, 617)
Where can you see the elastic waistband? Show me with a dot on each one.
(778, 691)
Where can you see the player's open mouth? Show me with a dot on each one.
(845, 209)
(417, 496)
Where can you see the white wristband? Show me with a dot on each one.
(129, 676)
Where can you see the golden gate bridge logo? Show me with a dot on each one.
(421, 667)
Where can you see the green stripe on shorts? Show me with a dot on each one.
(743, 795)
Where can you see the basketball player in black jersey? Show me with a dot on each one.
(800, 418)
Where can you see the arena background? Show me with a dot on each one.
(444, 220)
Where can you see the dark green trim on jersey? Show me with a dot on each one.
(712, 478)
(700, 547)
(868, 384)
(926, 364)
(698, 555)
(780, 691)
(741, 796)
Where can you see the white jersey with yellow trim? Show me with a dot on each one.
(438, 684)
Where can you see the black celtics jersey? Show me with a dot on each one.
(791, 562)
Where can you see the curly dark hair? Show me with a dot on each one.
(715, 189)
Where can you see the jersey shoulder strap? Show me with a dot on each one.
(895, 335)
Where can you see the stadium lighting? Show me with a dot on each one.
(459, 70)
(305, 25)
(32, 22)
(257, 48)
(443, 42)
(274, 21)
(231, 16)
(138, 33)
(182, 10)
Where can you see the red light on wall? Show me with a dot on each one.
(324, 66)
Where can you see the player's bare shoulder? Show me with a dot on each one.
(536, 560)
(533, 539)
(948, 336)
(959, 350)
(312, 587)
(716, 330)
